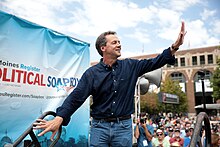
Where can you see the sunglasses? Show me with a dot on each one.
(159, 134)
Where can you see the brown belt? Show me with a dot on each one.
(113, 119)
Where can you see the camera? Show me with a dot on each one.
(142, 120)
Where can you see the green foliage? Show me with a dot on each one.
(215, 82)
(149, 103)
(173, 87)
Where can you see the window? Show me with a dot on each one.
(182, 61)
(177, 76)
(210, 59)
(194, 60)
(176, 62)
(208, 75)
(202, 59)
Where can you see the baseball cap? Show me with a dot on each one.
(171, 129)
(177, 130)
(159, 131)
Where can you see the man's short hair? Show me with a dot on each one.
(101, 41)
(187, 130)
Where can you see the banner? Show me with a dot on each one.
(38, 69)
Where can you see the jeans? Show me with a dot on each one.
(111, 134)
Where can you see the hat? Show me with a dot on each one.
(177, 130)
(159, 131)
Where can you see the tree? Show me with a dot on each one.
(149, 103)
(215, 82)
(173, 87)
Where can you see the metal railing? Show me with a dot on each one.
(196, 141)
(30, 132)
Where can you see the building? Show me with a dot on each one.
(188, 63)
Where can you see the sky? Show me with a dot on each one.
(143, 26)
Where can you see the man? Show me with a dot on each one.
(160, 141)
(186, 127)
(170, 133)
(143, 133)
(187, 137)
(112, 84)
(177, 138)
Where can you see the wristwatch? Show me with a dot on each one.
(175, 49)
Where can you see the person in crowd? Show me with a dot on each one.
(170, 133)
(186, 126)
(160, 141)
(143, 133)
(177, 137)
(214, 140)
(111, 83)
(187, 137)
(218, 140)
(203, 137)
(134, 123)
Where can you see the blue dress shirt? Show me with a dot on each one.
(112, 88)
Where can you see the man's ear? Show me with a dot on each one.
(102, 48)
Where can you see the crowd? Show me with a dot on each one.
(167, 131)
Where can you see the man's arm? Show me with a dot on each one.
(167, 56)
(175, 46)
(147, 133)
(74, 100)
(136, 132)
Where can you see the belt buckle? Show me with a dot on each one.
(113, 119)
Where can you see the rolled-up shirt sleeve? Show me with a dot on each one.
(75, 99)
(147, 65)
(168, 56)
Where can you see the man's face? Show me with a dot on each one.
(171, 131)
(190, 133)
(177, 134)
(188, 125)
(112, 48)
(160, 136)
